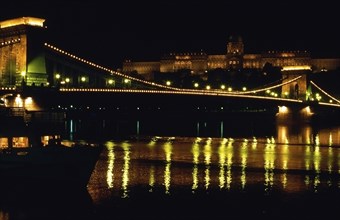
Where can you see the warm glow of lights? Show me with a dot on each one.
(208, 87)
(338, 101)
(57, 76)
(167, 172)
(308, 157)
(293, 68)
(83, 78)
(168, 83)
(222, 86)
(269, 166)
(196, 85)
(222, 159)
(152, 177)
(229, 155)
(18, 101)
(67, 80)
(125, 176)
(23, 73)
(22, 21)
(194, 178)
(195, 157)
(111, 81)
(283, 109)
(244, 156)
(110, 165)
(207, 160)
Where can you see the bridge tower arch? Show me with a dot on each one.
(297, 89)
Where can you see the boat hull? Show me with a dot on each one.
(49, 166)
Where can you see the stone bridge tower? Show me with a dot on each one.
(22, 58)
(297, 89)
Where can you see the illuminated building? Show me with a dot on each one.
(235, 58)
(21, 60)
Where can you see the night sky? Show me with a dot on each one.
(107, 32)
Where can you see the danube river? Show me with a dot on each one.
(196, 169)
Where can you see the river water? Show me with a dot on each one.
(196, 169)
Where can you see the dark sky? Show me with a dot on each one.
(107, 32)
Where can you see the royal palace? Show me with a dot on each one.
(234, 58)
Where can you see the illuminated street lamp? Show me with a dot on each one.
(196, 85)
(168, 83)
(127, 82)
(111, 82)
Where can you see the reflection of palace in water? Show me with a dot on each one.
(235, 58)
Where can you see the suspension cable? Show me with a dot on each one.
(333, 98)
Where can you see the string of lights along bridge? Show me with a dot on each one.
(40, 63)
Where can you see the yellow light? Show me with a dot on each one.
(83, 79)
(222, 86)
(244, 88)
(67, 80)
(57, 76)
(230, 89)
(168, 83)
(292, 68)
(126, 80)
(111, 81)
(208, 87)
(22, 21)
(23, 73)
(283, 109)
(196, 85)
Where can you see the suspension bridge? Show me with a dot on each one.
(52, 78)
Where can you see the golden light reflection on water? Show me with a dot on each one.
(269, 165)
(167, 171)
(195, 150)
(110, 164)
(212, 163)
(244, 156)
(126, 166)
(330, 159)
(207, 160)
(222, 161)
(229, 154)
(285, 159)
(152, 178)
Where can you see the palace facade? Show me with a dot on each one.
(235, 58)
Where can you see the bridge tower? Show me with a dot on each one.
(298, 88)
(22, 59)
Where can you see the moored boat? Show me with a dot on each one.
(50, 165)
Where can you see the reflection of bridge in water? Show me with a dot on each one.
(57, 79)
